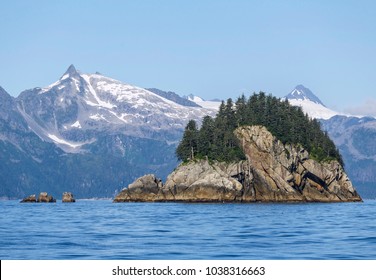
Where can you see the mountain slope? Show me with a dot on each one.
(22, 152)
(174, 97)
(88, 134)
(73, 110)
(355, 138)
(28, 164)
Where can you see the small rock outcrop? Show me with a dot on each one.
(273, 172)
(145, 188)
(68, 197)
(31, 198)
(44, 197)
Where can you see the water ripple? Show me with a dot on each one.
(103, 230)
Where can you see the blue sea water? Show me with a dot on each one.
(105, 230)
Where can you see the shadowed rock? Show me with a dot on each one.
(31, 198)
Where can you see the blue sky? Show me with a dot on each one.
(214, 49)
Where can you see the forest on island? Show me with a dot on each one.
(215, 139)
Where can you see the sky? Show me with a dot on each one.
(213, 49)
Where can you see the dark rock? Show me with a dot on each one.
(30, 198)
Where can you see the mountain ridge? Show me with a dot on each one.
(91, 102)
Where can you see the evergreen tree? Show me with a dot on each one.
(188, 145)
(241, 110)
(206, 137)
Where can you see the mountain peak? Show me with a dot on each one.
(302, 93)
(70, 71)
(302, 97)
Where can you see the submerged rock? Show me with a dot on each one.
(68, 197)
(273, 172)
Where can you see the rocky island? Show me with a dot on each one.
(272, 172)
(260, 150)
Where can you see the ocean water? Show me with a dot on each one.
(105, 230)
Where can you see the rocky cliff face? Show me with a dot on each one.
(286, 172)
(273, 172)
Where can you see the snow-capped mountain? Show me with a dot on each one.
(89, 134)
(310, 103)
(302, 93)
(71, 111)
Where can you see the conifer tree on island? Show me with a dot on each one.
(215, 139)
(188, 145)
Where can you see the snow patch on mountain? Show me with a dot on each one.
(97, 117)
(213, 105)
(65, 76)
(99, 102)
(311, 105)
(313, 109)
(64, 142)
(76, 125)
(48, 88)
